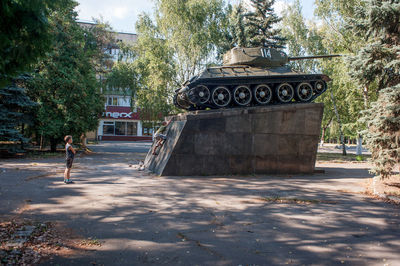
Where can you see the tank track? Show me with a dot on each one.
(242, 92)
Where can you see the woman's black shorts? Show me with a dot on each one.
(69, 162)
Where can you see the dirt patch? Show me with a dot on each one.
(388, 188)
(30, 242)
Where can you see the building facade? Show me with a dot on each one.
(121, 119)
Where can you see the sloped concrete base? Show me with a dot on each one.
(256, 140)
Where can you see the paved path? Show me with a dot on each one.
(142, 219)
(337, 148)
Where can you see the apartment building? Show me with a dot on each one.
(121, 118)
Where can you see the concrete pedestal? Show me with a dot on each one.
(257, 140)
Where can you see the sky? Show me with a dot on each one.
(122, 14)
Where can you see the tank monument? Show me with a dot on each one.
(252, 115)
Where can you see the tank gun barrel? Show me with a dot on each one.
(312, 57)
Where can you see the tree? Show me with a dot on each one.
(65, 83)
(233, 29)
(180, 42)
(24, 34)
(303, 39)
(191, 30)
(330, 35)
(378, 63)
(100, 38)
(155, 71)
(260, 24)
(24, 38)
(14, 113)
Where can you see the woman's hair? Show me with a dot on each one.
(67, 138)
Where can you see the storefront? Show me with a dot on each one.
(121, 123)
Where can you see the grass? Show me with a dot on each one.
(338, 157)
(91, 242)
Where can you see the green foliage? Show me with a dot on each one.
(301, 39)
(260, 24)
(177, 45)
(65, 83)
(330, 35)
(24, 34)
(124, 77)
(251, 27)
(233, 29)
(378, 64)
(14, 113)
(155, 67)
(383, 134)
(99, 39)
(191, 30)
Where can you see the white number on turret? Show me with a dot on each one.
(266, 52)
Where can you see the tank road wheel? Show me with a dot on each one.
(319, 86)
(221, 96)
(285, 92)
(180, 102)
(199, 95)
(304, 92)
(242, 95)
(263, 94)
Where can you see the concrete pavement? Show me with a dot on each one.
(143, 219)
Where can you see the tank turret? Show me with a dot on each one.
(262, 57)
(251, 77)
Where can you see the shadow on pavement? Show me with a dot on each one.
(146, 219)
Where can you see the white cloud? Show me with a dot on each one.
(121, 14)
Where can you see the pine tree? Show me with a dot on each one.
(234, 33)
(377, 64)
(238, 26)
(14, 113)
(260, 24)
(24, 38)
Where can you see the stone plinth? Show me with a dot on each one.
(257, 140)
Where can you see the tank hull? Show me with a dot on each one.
(243, 86)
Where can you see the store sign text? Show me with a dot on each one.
(118, 114)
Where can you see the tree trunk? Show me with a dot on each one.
(340, 125)
(365, 96)
(359, 145)
(324, 131)
(83, 140)
(41, 142)
(53, 145)
(321, 143)
(23, 133)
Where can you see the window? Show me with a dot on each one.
(147, 131)
(118, 101)
(131, 128)
(108, 128)
(112, 101)
(120, 128)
